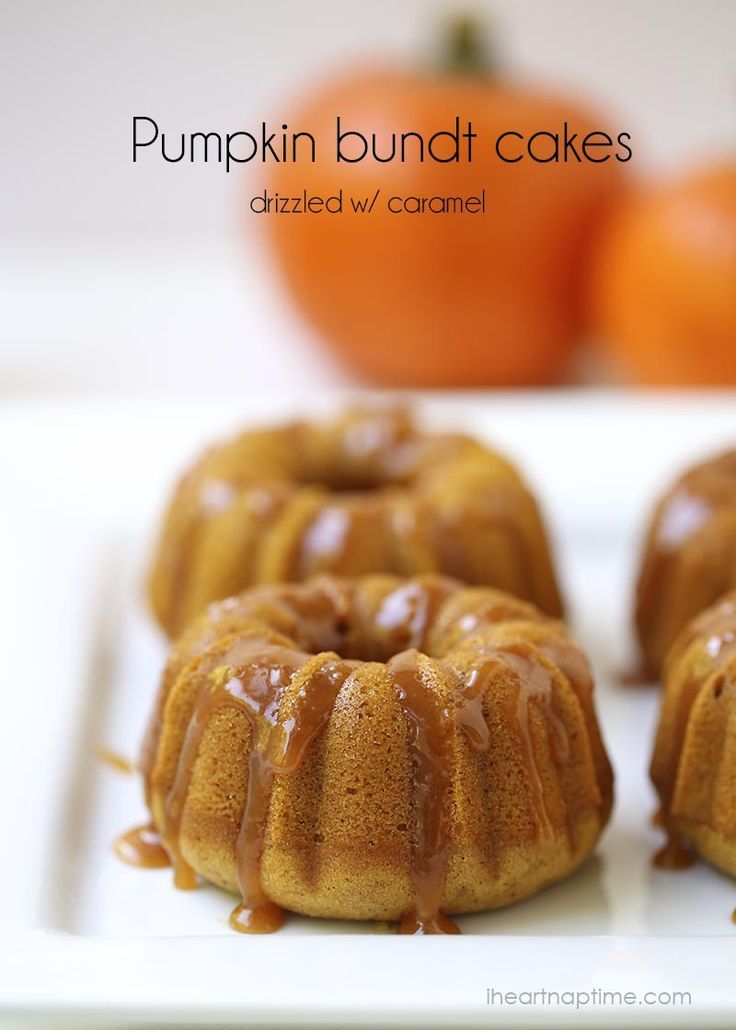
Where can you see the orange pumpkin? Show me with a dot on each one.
(664, 293)
(444, 299)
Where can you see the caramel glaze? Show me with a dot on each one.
(142, 847)
(369, 492)
(635, 676)
(673, 855)
(253, 674)
(114, 760)
(716, 630)
(429, 741)
(703, 494)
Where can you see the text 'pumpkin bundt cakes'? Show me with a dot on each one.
(377, 748)
(366, 493)
(689, 556)
(694, 762)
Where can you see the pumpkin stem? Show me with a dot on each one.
(465, 51)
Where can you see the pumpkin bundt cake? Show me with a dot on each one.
(375, 748)
(366, 493)
(689, 556)
(694, 762)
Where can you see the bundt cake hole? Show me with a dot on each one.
(341, 639)
(340, 636)
(718, 686)
(356, 486)
(352, 476)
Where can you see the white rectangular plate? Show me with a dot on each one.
(85, 938)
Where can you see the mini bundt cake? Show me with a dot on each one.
(375, 748)
(366, 493)
(689, 556)
(694, 761)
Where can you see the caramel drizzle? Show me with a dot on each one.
(673, 854)
(407, 612)
(266, 678)
(717, 628)
(377, 455)
(388, 512)
(430, 744)
(255, 687)
(685, 511)
(431, 724)
(534, 682)
(256, 913)
(503, 512)
(279, 747)
(717, 624)
(206, 497)
(253, 678)
(382, 456)
(324, 620)
(574, 665)
(142, 847)
(284, 751)
(114, 760)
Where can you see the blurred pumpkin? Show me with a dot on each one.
(664, 292)
(448, 299)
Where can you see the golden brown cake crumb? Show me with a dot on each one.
(694, 761)
(376, 748)
(689, 558)
(368, 492)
